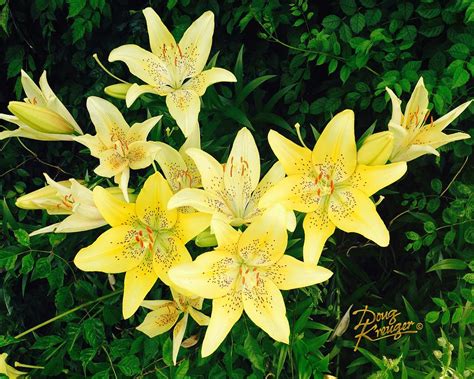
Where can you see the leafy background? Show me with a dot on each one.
(296, 62)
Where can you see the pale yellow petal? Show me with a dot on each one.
(32, 91)
(144, 65)
(195, 45)
(449, 117)
(93, 143)
(158, 33)
(211, 275)
(199, 317)
(371, 179)
(174, 167)
(317, 229)
(184, 107)
(290, 273)
(264, 241)
(417, 106)
(78, 223)
(200, 200)
(178, 334)
(295, 159)
(107, 119)
(111, 163)
(242, 171)
(298, 192)
(141, 154)
(397, 114)
(152, 203)
(335, 152)
(170, 253)
(212, 173)
(158, 305)
(200, 82)
(116, 250)
(114, 210)
(189, 225)
(411, 152)
(159, 321)
(140, 130)
(264, 305)
(227, 237)
(226, 311)
(353, 211)
(135, 91)
(138, 282)
(437, 139)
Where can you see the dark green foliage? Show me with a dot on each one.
(299, 62)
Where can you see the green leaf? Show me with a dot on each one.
(129, 365)
(460, 77)
(22, 237)
(357, 23)
(27, 263)
(349, 7)
(432, 317)
(331, 22)
(254, 353)
(448, 264)
(75, 7)
(8, 340)
(42, 269)
(250, 87)
(459, 51)
(5, 12)
(93, 330)
(168, 352)
(182, 370)
(345, 73)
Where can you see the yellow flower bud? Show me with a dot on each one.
(206, 239)
(40, 118)
(119, 90)
(45, 198)
(376, 149)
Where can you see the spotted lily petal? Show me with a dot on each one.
(295, 159)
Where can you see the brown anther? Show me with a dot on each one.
(332, 186)
(254, 269)
(243, 279)
(247, 271)
(142, 245)
(148, 229)
(319, 191)
(140, 233)
(320, 176)
(137, 238)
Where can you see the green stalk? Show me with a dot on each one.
(60, 316)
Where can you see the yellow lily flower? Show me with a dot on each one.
(174, 70)
(413, 136)
(329, 185)
(67, 197)
(9, 371)
(41, 116)
(119, 90)
(118, 146)
(145, 241)
(376, 149)
(178, 167)
(165, 314)
(232, 191)
(246, 272)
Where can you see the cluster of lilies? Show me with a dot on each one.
(226, 205)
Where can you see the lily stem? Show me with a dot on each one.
(60, 316)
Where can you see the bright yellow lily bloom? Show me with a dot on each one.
(178, 167)
(246, 272)
(9, 371)
(165, 314)
(145, 240)
(232, 191)
(118, 146)
(67, 197)
(329, 185)
(414, 135)
(174, 70)
(41, 116)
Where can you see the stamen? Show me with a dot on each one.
(107, 71)
(298, 133)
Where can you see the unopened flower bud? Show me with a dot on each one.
(376, 149)
(40, 118)
(438, 354)
(206, 239)
(119, 90)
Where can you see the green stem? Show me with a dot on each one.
(60, 316)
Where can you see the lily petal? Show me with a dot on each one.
(140, 130)
(371, 179)
(169, 254)
(200, 200)
(264, 304)
(264, 241)
(116, 250)
(199, 317)
(189, 225)
(412, 152)
(158, 33)
(138, 282)
(227, 237)
(195, 45)
(226, 311)
(295, 159)
(335, 150)
(32, 91)
(184, 107)
(353, 211)
(135, 91)
(290, 273)
(174, 167)
(397, 114)
(417, 106)
(437, 139)
(115, 211)
(93, 143)
(159, 321)
(200, 82)
(152, 203)
(441, 123)
(141, 154)
(178, 334)
(211, 275)
(317, 229)
(211, 170)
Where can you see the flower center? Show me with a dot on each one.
(145, 238)
(324, 184)
(67, 202)
(249, 276)
(184, 179)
